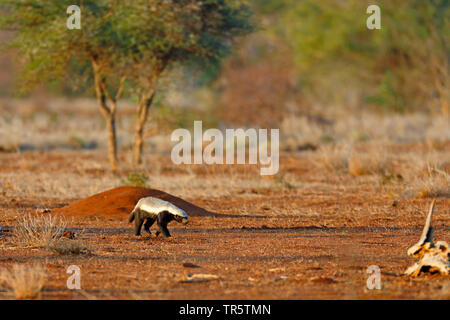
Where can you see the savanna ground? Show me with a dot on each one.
(352, 191)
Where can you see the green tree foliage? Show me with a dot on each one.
(193, 32)
(121, 44)
(404, 65)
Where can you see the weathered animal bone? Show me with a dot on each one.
(434, 257)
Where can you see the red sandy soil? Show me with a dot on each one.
(119, 202)
(298, 243)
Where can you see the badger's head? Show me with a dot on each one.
(181, 217)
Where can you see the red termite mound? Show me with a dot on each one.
(119, 202)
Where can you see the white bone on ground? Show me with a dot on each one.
(155, 205)
(432, 255)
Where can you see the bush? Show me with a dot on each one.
(37, 230)
(24, 282)
(70, 247)
(137, 179)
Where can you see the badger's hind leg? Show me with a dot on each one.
(138, 221)
(148, 224)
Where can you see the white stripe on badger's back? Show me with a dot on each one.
(155, 205)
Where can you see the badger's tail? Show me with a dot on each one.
(131, 216)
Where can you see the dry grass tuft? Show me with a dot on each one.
(70, 247)
(333, 159)
(359, 166)
(434, 185)
(24, 282)
(372, 162)
(37, 231)
(426, 177)
(343, 159)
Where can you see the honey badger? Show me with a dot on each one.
(154, 209)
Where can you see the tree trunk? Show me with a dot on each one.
(112, 141)
(142, 111)
(109, 113)
(443, 99)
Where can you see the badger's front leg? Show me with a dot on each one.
(163, 229)
(138, 221)
(148, 224)
(163, 219)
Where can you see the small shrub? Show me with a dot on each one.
(137, 179)
(426, 179)
(333, 159)
(358, 166)
(37, 230)
(281, 180)
(375, 162)
(69, 247)
(433, 186)
(24, 282)
(387, 178)
(76, 142)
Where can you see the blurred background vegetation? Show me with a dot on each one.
(303, 55)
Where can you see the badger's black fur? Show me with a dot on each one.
(156, 210)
